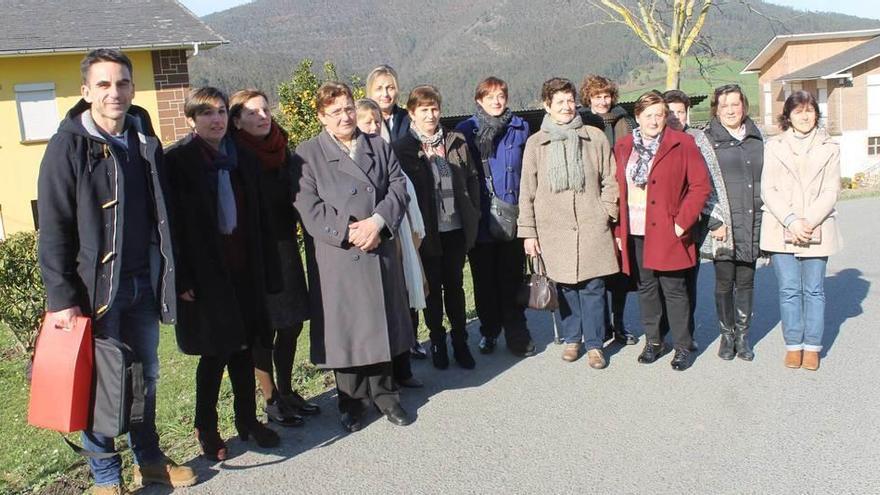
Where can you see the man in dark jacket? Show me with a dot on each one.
(105, 245)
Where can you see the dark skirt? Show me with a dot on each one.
(290, 307)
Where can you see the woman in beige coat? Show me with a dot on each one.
(568, 201)
(800, 185)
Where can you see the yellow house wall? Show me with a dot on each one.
(20, 162)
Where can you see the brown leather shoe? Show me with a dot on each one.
(108, 490)
(571, 352)
(793, 359)
(164, 473)
(811, 361)
(596, 359)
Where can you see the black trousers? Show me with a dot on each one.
(659, 292)
(209, 375)
(360, 384)
(497, 270)
(446, 287)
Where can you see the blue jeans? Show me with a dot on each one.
(801, 300)
(133, 318)
(582, 308)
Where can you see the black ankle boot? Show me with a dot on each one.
(265, 437)
(681, 361)
(439, 354)
(462, 354)
(621, 335)
(725, 308)
(744, 301)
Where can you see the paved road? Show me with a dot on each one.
(541, 425)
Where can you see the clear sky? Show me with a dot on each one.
(861, 8)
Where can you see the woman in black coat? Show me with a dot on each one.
(447, 187)
(739, 147)
(226, 263)
(254, 129)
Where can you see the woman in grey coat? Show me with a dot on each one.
(351, 198)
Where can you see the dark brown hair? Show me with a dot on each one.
(202, 99)
(795, 101)
(423, 95)
(240, 97)
(726, 90)
(596, 85)
(103, 55)
(556, 85)
(677, 96)
(652, 97)
(488, 85)
(328, 92)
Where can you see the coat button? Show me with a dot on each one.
(653, 202)
(326, 229)
(510, 169)
(654, 181)
(653, 224)
(750, 186)
(354, 190)
(335, 232)
(356, 257)
(369, 189)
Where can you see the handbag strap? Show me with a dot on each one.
(88, 453)
(535, 264)
(487, 174)
(138, 392)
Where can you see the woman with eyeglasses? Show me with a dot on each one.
(663, 187)
(352, 198)
(739, 148)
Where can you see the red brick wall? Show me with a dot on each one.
(171, 78)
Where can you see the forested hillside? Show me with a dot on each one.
(454, 43)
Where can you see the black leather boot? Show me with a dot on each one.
(439, 354)
(651, 352)
(461, 352)
(744, 299)
(725, 309)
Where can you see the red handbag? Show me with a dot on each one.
(61, 379)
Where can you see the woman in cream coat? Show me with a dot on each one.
(800, 186)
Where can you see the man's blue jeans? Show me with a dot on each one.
(801, 300)
(133, 319)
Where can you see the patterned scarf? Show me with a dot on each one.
(488, 128)
(638, 172)
(224, 161)
(566, 170)
(434, 149)
(271, 150)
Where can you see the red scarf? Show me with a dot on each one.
(271, 150)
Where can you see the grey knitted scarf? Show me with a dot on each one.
(565, 170)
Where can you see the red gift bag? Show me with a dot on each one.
(61, 380)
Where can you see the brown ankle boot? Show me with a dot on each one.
(571, 352)
(810, 361)
(793, 359)
(166, 473)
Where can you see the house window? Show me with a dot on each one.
(874, 145)
(768, 104)
(873, 102)
(37, 111)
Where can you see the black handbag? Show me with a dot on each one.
(118, 393)
(502, 215)
(538, 291)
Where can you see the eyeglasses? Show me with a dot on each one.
(350, 110)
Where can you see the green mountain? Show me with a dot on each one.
(455, 43)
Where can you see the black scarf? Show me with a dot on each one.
(488, 128)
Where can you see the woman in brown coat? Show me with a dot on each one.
(800, 184)
(568, 201)
(351, 198)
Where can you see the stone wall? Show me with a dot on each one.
(171, 79)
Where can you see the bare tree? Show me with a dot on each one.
(667, 27)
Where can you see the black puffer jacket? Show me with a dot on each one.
(741, 163)
(81, 202)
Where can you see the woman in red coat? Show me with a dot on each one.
(663, 185)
